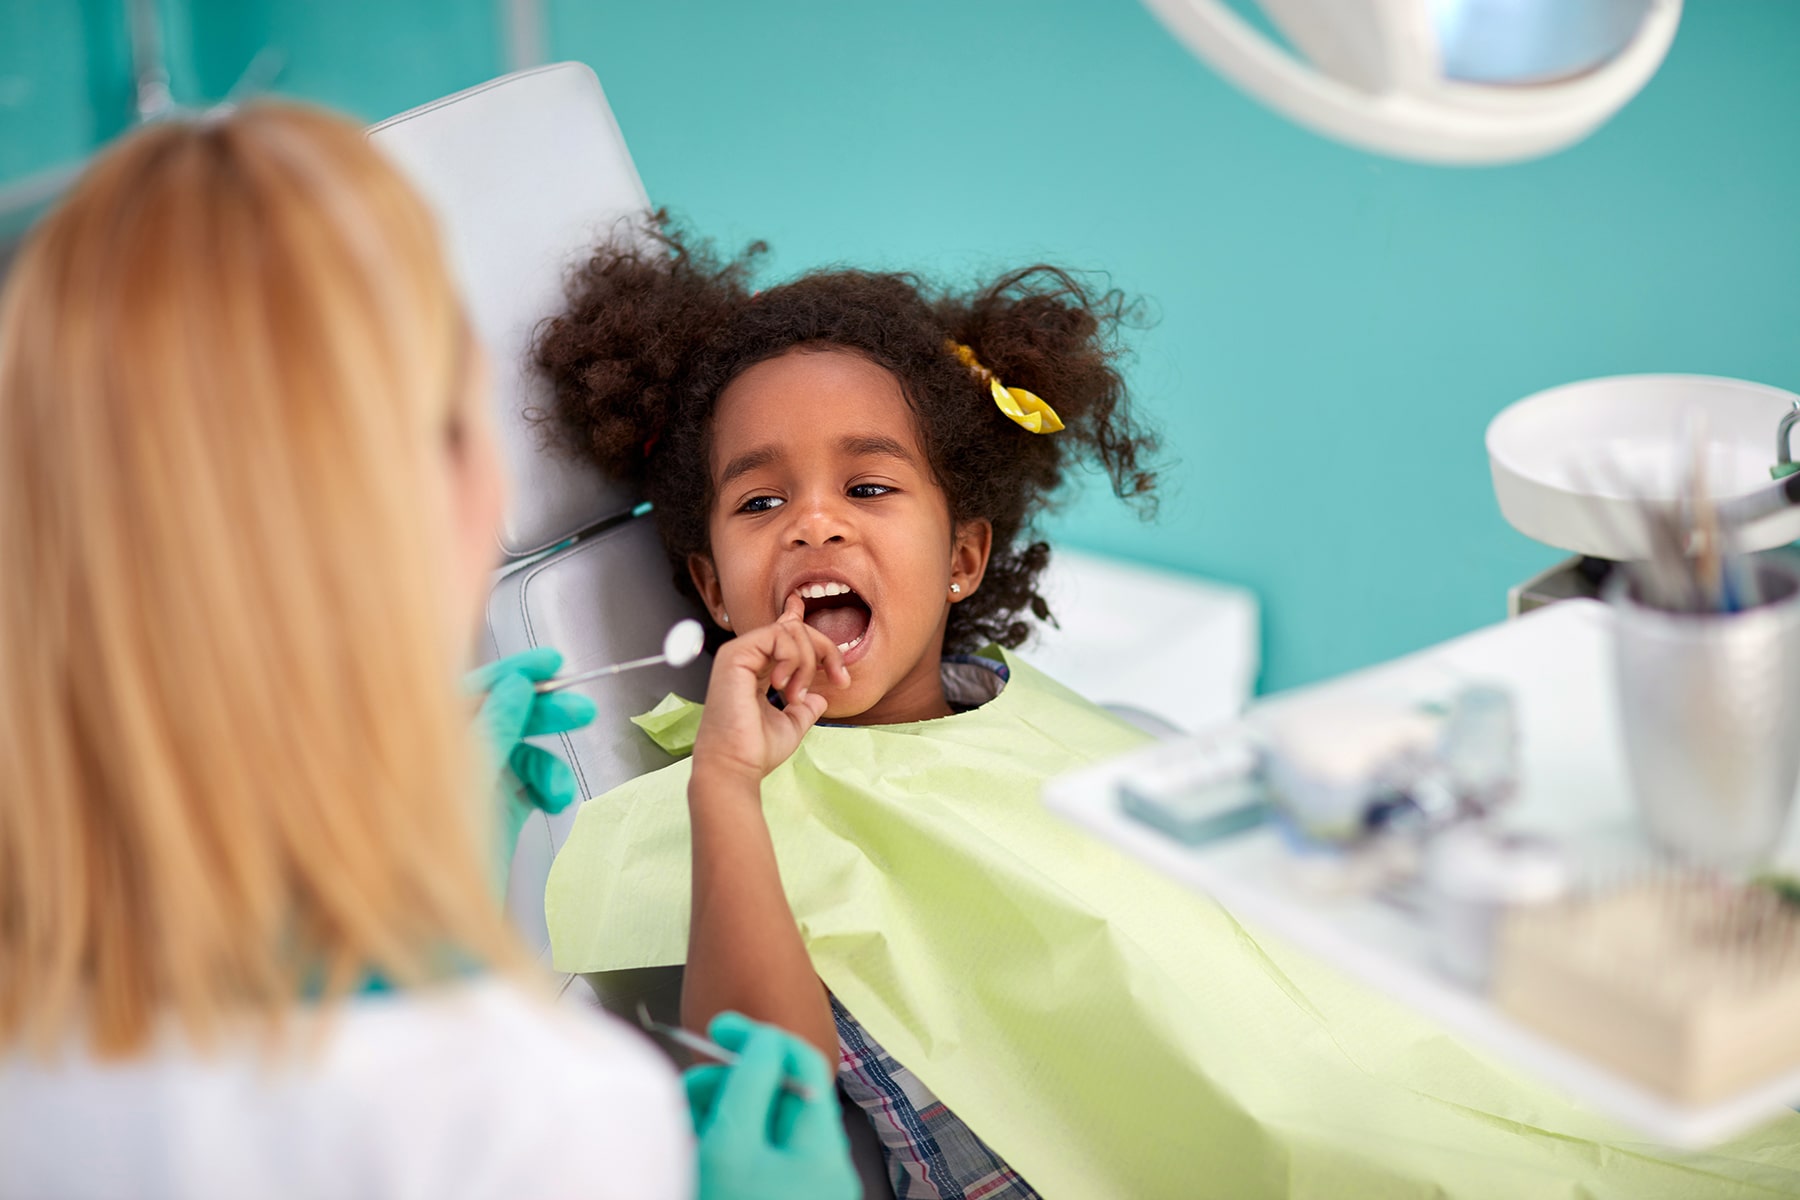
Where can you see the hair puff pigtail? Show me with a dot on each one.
(619, 356)
(1044, 330)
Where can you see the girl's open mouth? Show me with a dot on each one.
(837, 612)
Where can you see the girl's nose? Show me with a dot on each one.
(819, 521)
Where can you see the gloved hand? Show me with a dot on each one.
(514, 711)
(758, 1141)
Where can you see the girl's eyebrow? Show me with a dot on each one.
(747, 462)
(857, 445)
(875, 445)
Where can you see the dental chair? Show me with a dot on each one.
(527, 174)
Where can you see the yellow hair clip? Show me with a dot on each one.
(1021, 406)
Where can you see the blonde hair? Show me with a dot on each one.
(234, 763)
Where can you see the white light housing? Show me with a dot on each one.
(1449, 81)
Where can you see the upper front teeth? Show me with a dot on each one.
(813, 591)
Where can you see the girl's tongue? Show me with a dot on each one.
(843, 619)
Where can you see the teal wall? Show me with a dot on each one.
(370, 57)
(64, 82)
(1335, 330)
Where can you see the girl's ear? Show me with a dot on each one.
(969, 552)
(706, 582)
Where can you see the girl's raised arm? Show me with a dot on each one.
(744, 950)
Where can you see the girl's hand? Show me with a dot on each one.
(742, 733)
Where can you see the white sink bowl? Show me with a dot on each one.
(1568, 461)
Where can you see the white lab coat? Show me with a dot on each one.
(472, 1090)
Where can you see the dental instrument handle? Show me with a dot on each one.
(557, 685)
(711, 1049)
(681, 646)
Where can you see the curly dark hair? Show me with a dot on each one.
(657, 326)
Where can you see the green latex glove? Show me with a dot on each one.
(758, 1141)
(533, 778)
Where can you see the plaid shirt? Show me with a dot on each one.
(930, 1154)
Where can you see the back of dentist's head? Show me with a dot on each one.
(235, 386)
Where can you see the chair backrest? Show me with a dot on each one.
(526, 175)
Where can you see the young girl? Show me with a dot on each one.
(845, 470)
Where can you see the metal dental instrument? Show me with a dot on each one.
(1661, 574)
(681, 646)
(710, 1048)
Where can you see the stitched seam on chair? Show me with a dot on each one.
(526, 577)
(568, 745)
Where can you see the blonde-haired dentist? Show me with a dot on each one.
(248, 942)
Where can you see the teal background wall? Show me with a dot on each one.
(64, 82)
(1334, 330)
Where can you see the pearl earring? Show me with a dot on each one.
(956, 589)
(724, 618)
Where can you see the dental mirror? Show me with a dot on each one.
(681, 646)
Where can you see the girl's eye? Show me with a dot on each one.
(758, 504)
(868, 491)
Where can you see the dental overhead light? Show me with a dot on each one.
(1449, 81)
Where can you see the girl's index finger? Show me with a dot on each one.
(823, 652)
(786, 652)
(796, 650)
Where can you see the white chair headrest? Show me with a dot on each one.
(527, 174)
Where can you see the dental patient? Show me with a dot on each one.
(847, 471)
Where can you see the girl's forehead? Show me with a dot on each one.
(810, 398)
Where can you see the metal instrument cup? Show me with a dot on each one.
(1710, 709)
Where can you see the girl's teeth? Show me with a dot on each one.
(847, 647)
(817, 591)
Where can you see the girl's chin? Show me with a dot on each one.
(845, 704)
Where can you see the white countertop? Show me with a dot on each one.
(1557, 663)
(1179, 647)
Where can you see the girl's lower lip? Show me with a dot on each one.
(855, 653)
